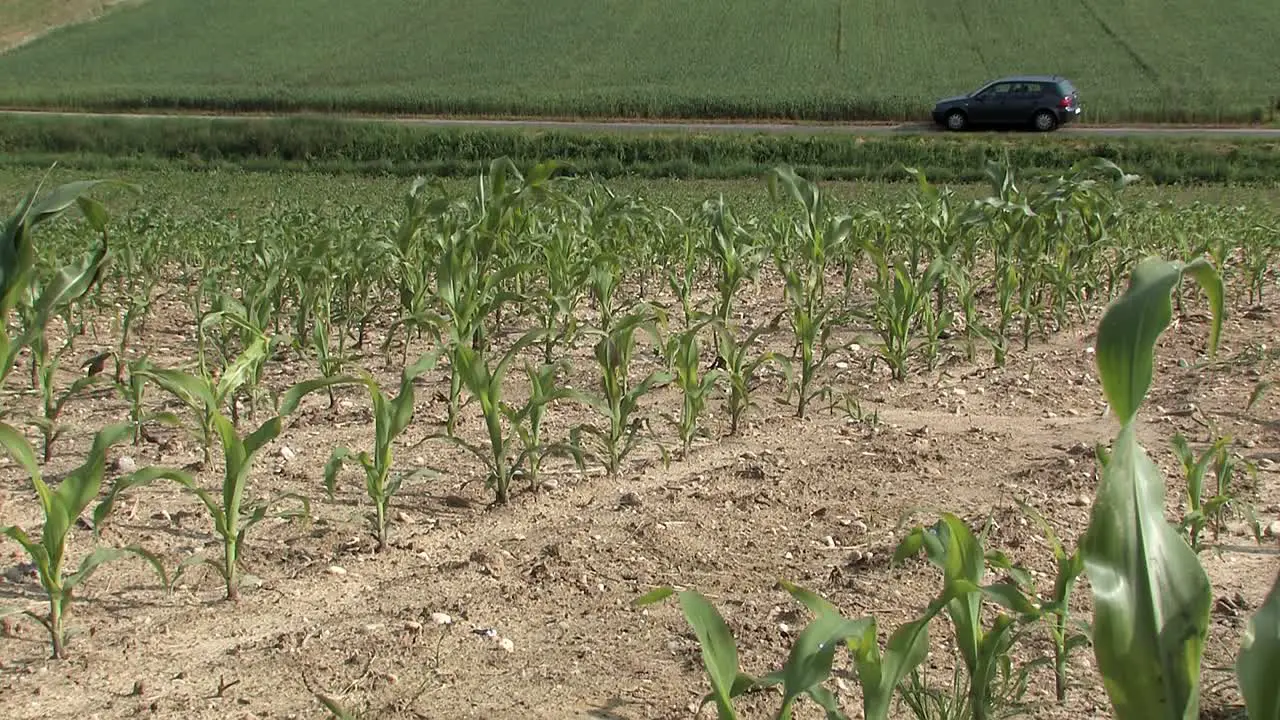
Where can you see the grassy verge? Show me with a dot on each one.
(376, 147)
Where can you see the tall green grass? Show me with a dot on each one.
(376, 147)
(819, 59)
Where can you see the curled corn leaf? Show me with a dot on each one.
(1152, 598)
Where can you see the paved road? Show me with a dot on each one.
(920, 128)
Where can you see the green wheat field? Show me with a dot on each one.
(1136, 60)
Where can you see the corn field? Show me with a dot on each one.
(533, 336)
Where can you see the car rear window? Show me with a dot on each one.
(1065, 87)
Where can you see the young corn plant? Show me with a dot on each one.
(568, 264)
(17, 267)
(1151, 596)
(683, 358)
(803, 676)
(1198, 515)
(733, 253)
(485, 384)
(1054, 609)
(390, 418)
(820, 237)
(52, 402)
(62, 506)
(527, 420)
(740, 370)
(232, 515)
(619, 400)
(952, 546)
(901, 307)
(879, 673)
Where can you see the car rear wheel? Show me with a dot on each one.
(1045, 121)
(956, 120)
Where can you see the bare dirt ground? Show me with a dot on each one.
(22, 21)
(818, 501)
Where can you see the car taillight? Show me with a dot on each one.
(1065, 102)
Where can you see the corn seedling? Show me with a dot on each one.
(1194, 469)
(62, 507)
(808, 664)
(232, 516)
(683, 278)
(52, 402)
(740, 369)
(568, 265)
(901, 306)
(1151, 597)
(1055, 609)
(390, 418)
(879, 673)
(485, 384)
(201, 394)
(733, 253)
(683, 358)
(527, 420)
(17, 268)
(619, 400)
(820, 237)
(469, 288)
(951, 546)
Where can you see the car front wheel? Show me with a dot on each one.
(956, 120)
(1045, 121)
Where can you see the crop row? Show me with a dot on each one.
(557, 267)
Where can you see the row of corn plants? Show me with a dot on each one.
(1151, 596)
(663, 304)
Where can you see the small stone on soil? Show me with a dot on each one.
(125, 464)
(1079, 501)
(1273, 530)
(337, 570)
(287, 453)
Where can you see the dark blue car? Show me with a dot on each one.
(1043, 102)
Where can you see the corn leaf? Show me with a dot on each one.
(1152, 598)
(1259, 660)
(719, 650)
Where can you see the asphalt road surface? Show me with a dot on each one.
(853, 129)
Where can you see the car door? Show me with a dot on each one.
(1021, 103)
(990, 104)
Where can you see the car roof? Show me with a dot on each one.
(1028, 78)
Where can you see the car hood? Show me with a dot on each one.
(953, 100)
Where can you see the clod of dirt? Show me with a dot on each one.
(1079, 501)
(490, 563)
(630, 499)
(1273, 530)
(457, 501)
(440, 618)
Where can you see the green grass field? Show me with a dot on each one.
(1138, 60)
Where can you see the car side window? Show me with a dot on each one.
(999, 90)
